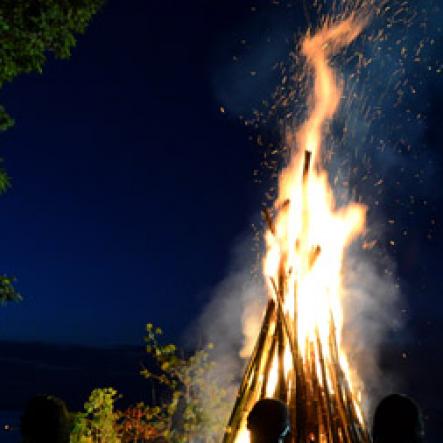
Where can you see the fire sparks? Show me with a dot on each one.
(298, 357)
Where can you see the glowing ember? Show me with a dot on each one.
(298, 357)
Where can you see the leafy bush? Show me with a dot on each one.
(197, 403)
(97, 424)
(194, 406)
(139, 423)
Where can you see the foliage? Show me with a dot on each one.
(7, 290)
(97, 424)
(195, 410)
(102, 423)
(139, 423)
(4, 177)
(29, 31)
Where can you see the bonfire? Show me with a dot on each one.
(299, 357)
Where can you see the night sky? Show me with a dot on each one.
(129, 185)
(131, 188)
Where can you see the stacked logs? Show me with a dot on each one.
(317, 392)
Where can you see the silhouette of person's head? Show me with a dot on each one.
(45, 420)
(268, 421)
(397, 419)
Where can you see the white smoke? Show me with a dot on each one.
(237, 298)
(371, 312)
(235, 303)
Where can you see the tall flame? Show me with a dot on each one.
(307, 239)
(311, 235)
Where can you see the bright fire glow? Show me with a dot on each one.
(306, 243)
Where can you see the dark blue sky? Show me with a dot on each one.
(130, 187)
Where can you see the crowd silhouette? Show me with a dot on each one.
(397, 419)
(45, 420)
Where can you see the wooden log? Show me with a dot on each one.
(281, 387)
(306, 164)
(243, 402)
(337, 381)
(317, 411)
(326, 391)
(301, 387)
(270, 309)
(342, 381)
(313, 256)
(268, 364)
(268, 220)
(323, 414)
(250, 376)
(283, 318)
(291, 406)
(340, 405)
(301, 396)
(356, 428)
(298, 412)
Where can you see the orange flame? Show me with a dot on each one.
(310, 234)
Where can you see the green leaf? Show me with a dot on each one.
(32, 29)
(8, 293)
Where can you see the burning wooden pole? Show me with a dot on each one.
(297, 357)
(322, 408)
(251, 375)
